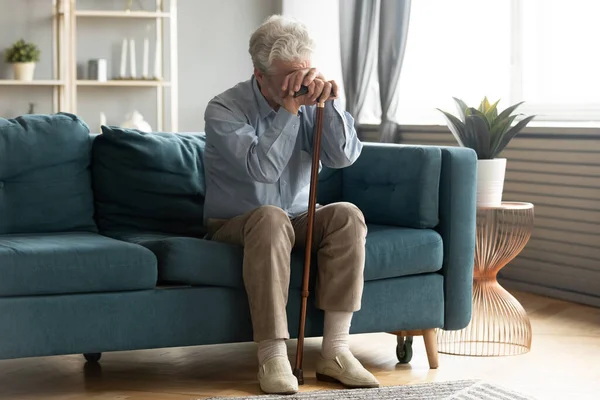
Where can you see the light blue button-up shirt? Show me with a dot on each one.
(258, 156)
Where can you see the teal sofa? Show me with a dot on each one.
(102, 245)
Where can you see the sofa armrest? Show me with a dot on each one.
(457, 227)
(395, 184)
(419, 187)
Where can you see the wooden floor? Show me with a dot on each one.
(564, 364)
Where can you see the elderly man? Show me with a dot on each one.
(258, 164)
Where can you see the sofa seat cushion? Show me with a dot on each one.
(59, 263)
(393, 252)
(390, 252)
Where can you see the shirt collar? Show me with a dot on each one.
(263, 105)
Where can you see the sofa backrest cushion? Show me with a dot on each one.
(45, 179)
(149, 181)
(329, 188)
(395, 184)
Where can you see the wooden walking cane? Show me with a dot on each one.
(312, 203)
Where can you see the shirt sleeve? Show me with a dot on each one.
(261, 156)
(340, 145)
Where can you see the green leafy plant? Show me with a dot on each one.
(22, 52)
(483, 129)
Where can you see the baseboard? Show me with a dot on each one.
(551, 292)
(368, 135)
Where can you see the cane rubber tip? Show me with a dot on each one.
(299, 375)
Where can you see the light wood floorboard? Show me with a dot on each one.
(563, 364)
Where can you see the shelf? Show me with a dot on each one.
(11, 82)
(121, 14)
(124, 83)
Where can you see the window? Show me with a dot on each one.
(539, 51)
(560, 69)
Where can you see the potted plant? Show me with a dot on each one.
(23, 56)
(487, 132)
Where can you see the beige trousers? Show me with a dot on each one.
(268, 236)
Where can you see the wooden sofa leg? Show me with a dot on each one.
(431, 347)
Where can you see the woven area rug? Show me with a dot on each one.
(457, 390)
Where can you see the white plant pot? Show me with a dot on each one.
(24, 71)
(490, 182)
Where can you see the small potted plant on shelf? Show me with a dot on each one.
(23, 56)
(487, 132)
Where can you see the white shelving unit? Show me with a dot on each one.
(65, 83)
(37, 82)
(163, 87)
(123, 83)
(121, 14)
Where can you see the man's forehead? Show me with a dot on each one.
(287, 67)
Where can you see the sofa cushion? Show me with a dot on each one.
(55, 263)
(390, 252)
(329, 188)
(45, 180)
(395, 184)
(148, 181)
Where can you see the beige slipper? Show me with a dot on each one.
(275, 377)
(346, 369)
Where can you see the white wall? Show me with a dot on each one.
(321, 17)
(213, 50)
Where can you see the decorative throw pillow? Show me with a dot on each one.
(45, 178)
(149, 181)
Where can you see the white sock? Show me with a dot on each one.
(267, 349)
(336, 333)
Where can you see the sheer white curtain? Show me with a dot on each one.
(457, 48)
(394, 22)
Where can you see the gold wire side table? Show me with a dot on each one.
(499, 325)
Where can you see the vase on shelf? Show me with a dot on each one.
(23, 71)
(135, 120)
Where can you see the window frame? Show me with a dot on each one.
(571, 116)
(581, 112)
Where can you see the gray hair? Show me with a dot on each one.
(280, 38)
